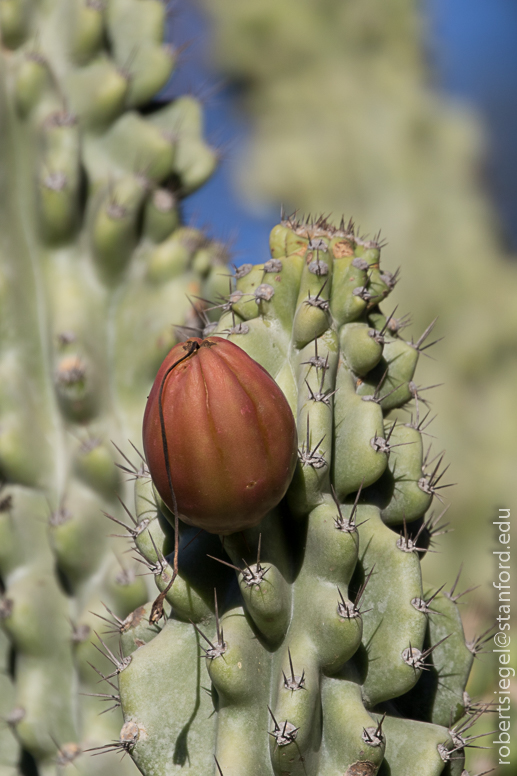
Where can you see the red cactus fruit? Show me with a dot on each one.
(227, 431)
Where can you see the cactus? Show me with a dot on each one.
(95, 268)
(308, 643)
(343, 117)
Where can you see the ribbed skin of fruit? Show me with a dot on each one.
(228, 435)
(308, 644)
(95, 269)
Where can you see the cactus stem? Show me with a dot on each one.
(254, 576)
(399, 324)
(132, 533)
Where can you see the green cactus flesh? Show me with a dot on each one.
(95, 268)
(308, 645)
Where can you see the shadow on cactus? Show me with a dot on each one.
(306, 643)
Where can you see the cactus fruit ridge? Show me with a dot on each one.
(308, 644)
(219, 426)
(95, 268)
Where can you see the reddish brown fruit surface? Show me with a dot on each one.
(229, 432)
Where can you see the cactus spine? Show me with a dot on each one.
(95, 266)
(309, 644)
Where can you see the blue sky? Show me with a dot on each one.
(472, 47)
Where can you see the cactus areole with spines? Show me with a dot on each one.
(227, 432)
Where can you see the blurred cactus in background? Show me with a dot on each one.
(95, 270)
